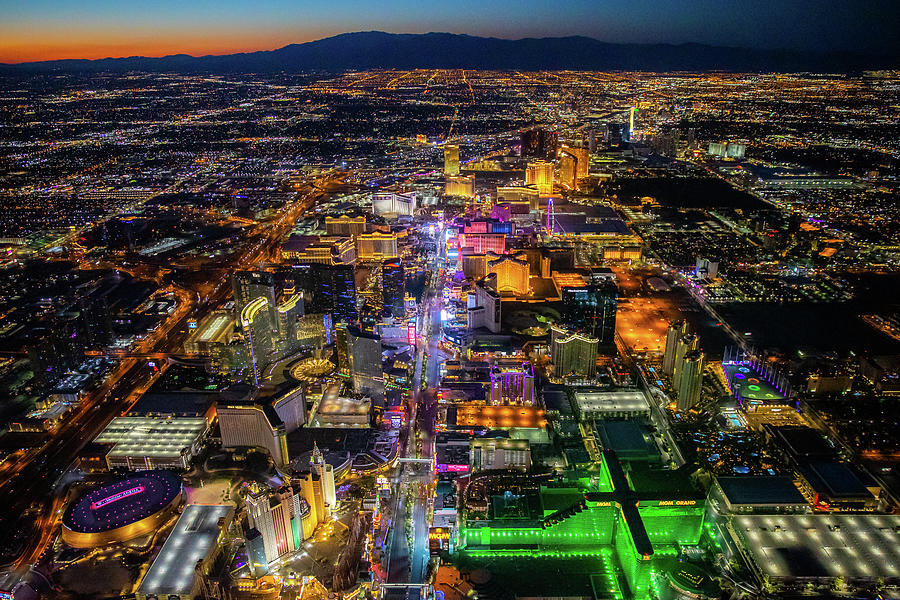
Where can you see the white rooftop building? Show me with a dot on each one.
(177, 571)
(141, 443)
(612, 404)
(821, 547)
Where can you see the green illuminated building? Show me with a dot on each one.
(627, 528)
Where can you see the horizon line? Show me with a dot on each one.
(486, 37)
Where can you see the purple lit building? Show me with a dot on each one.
(512, 384)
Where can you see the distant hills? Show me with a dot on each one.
(376, 49)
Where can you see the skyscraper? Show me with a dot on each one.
(512, 274)
(393, 289)
(250, 285)
(269, 322)
(690, 380)
(631, 123)
(540, 175)
(592, 310)
(482, 243)
(530, 142)
(248, 421)
(395, 203)
(717, 149)
(376, 246)
(674, 332)
(604, 318)
(261, 335)
(256, 552)
(281, 516)
(460, 185)
(572, 353)
(345, 225)
(311, 488)
(512, 384)
(735, 150)
(451, 159)
(339, 290)
(328, 289)
(325, 471)
(342, 349)
(483, 306)
(270, 515)
(578, 159)
(567, 167)
(539, 143)
(366, 369)
(706, 269)
(288, 312)
(686, 344)
(616, 134)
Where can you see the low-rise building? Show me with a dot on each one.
(143, 443)
(837, 486)
(795, 551)
(601, 404)
(500, 453)
(759, 494)
(179, 570)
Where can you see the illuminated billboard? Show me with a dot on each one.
(452, 468)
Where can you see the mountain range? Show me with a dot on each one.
(380, 50)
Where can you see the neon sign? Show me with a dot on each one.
(116, 497)
(442, 468)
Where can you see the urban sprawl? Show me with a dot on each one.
(444, 334)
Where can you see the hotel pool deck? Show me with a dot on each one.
(747, 383)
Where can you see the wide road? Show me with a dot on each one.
(409, 565)
(26, 480)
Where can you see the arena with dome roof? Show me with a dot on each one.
(122, 510)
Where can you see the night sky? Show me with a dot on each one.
(48, 29)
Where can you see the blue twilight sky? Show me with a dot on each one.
(43, 29)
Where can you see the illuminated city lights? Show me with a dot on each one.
(450, 333)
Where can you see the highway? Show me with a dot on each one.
(27, 478)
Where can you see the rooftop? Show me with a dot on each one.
(214, 327)
(774, 489)
(650, 482)
(193, 538)
(158, 437)
(123, 501)
(479, 415)
(628, 438)
(863, 546)
(180, 403)
(805, 442)
(344, 406)
(612, 401)
(837, 480)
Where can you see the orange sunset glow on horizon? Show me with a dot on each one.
(19, 47)
(38, 30)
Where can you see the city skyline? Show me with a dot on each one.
(58, 29)
(439, 316)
